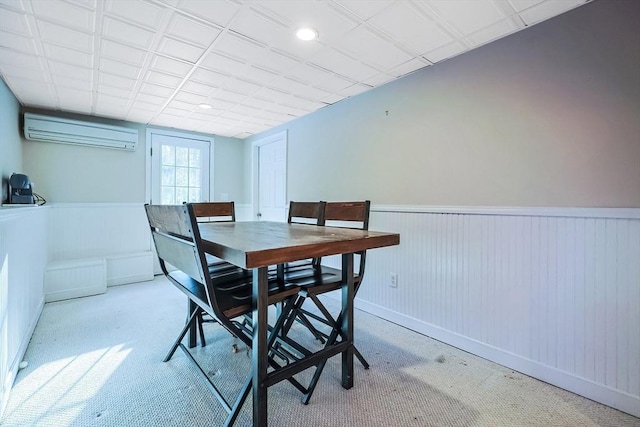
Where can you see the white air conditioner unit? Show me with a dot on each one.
(64, 131)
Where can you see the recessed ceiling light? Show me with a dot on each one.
(306, 34)
(205, 106)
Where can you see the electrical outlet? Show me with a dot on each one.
(394, 280)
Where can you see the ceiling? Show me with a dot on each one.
(155, 61)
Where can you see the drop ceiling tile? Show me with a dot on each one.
(275, 61)
(143, 106)
(116, 29)
(365, 9)
(379, 79)
(66, 14)
(170, 66)
(158, 90)
(195, 32)
(333, 98)
(72, 82)
(520, 5)
(228, 96)
(28, 73)
(272, 33)
(220, 104)
(333, 83)
(119, 68)
(408, 67)
(114, 91)
(354, 90)
(208, 77)
(151, 99)
(123, 53)
(103, 98)
(493, 32)
(189, 97)
(74, 96)
(241, 86)
(246, 110)
(216, 61)
(14, 22)
(162, 79)
(208, 116)
(30, 90)
(258, 103)
(291, 86)
(444, 52)
(18, 59)
(140, 12)
(413, 28)
(341, 64)
(242, 48)
(467, 16)
(70, 56)
(258, 75)
(181, 105)
(116, 81)
(176, 111)
(548, 9)
(330, 24)
(199, 88)
(219, 12)
(179, 49)
(66, 37)
(370, 48)
(19, 43)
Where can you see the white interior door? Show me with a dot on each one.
(180, 168)
(270, 156)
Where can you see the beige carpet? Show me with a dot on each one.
(97, 361)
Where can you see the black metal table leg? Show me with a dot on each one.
(347, 319)
(260, 360)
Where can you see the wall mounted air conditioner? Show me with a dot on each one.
(64, 131)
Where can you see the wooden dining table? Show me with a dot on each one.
(257, 245)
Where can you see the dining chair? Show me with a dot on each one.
(319, 279)
(311, 213)
(214, 212)
(225, 298)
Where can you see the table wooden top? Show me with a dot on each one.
(262, 243)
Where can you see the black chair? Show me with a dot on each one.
(224, 298)
(318, 279)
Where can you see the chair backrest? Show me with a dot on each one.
(214, 211)
(349, 215)
(177, 239)
(306, 213)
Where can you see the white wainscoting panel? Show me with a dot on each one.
(117, 232)
(75, 278)
(553, 293)
(23, 257)
(88, 230)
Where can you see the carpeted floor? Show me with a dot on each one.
(97, 361)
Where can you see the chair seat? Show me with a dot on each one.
(317, 280)
(234, 298)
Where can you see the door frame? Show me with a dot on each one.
(255, 163)
(186, 135)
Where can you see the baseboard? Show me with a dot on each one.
(15, 364)
(581, 386)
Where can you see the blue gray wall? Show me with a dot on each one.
(549, 116)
